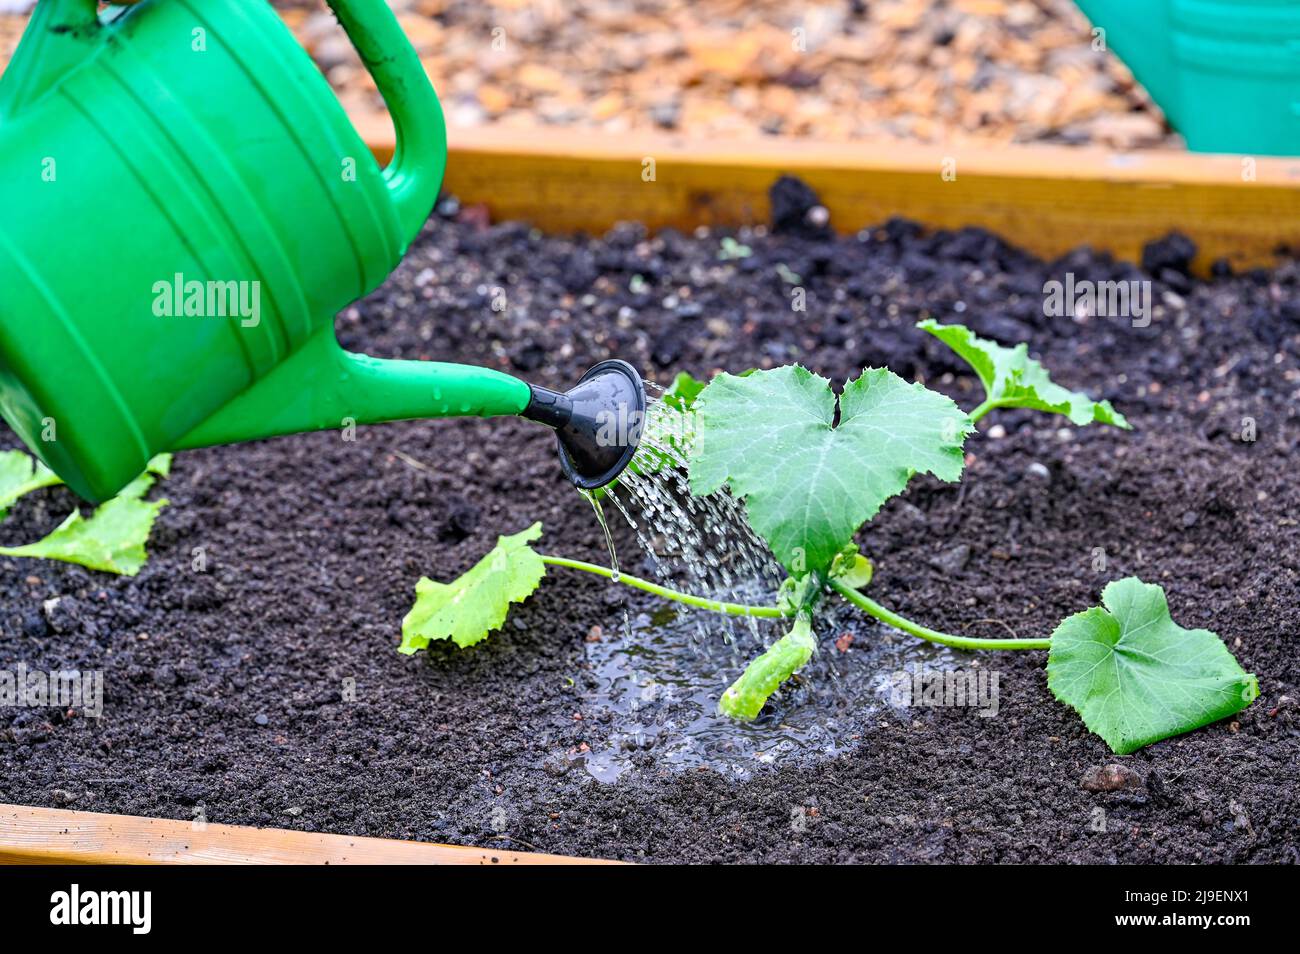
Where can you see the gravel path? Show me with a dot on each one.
(951, 71)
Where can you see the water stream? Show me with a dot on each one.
(604, 526)
(653, 684)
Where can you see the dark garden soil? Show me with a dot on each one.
(228, 689)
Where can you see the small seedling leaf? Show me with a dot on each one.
(745, 698)
(111, 540)
(21, 474)
(476, 602)
(808, 483)
(672, 427)
(1136, 676)
(731, 249)
(852, 568)
(681, 394)
(1013, 379)
(799, 595)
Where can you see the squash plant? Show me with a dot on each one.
(811, 470)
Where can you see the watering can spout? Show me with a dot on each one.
(598, 422)
(322, 387)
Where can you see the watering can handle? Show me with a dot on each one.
(415, 173)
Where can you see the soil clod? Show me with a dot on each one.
(1112, 777)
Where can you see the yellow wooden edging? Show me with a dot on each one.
(56, 836)
(1047, 199)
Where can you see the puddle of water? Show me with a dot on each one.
(657, 679)
(655, 695)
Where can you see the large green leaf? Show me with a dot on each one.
(1136, 676)
(476, 602)
(745, 698)
(1013, 379)
(808, 483)
(21, 474)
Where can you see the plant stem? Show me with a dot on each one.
(988, 405)
(870, 606)
(699, 602)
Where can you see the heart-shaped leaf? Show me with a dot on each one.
(1013, 379)
(476, 602)
(1136, 676)
(810, 483)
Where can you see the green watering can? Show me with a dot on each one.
(184, 206)
(1225, 72)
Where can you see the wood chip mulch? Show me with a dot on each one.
(945, 71)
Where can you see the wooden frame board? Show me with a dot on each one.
(1047, 199)
(58, 836)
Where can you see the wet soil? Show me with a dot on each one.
(250, 671)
